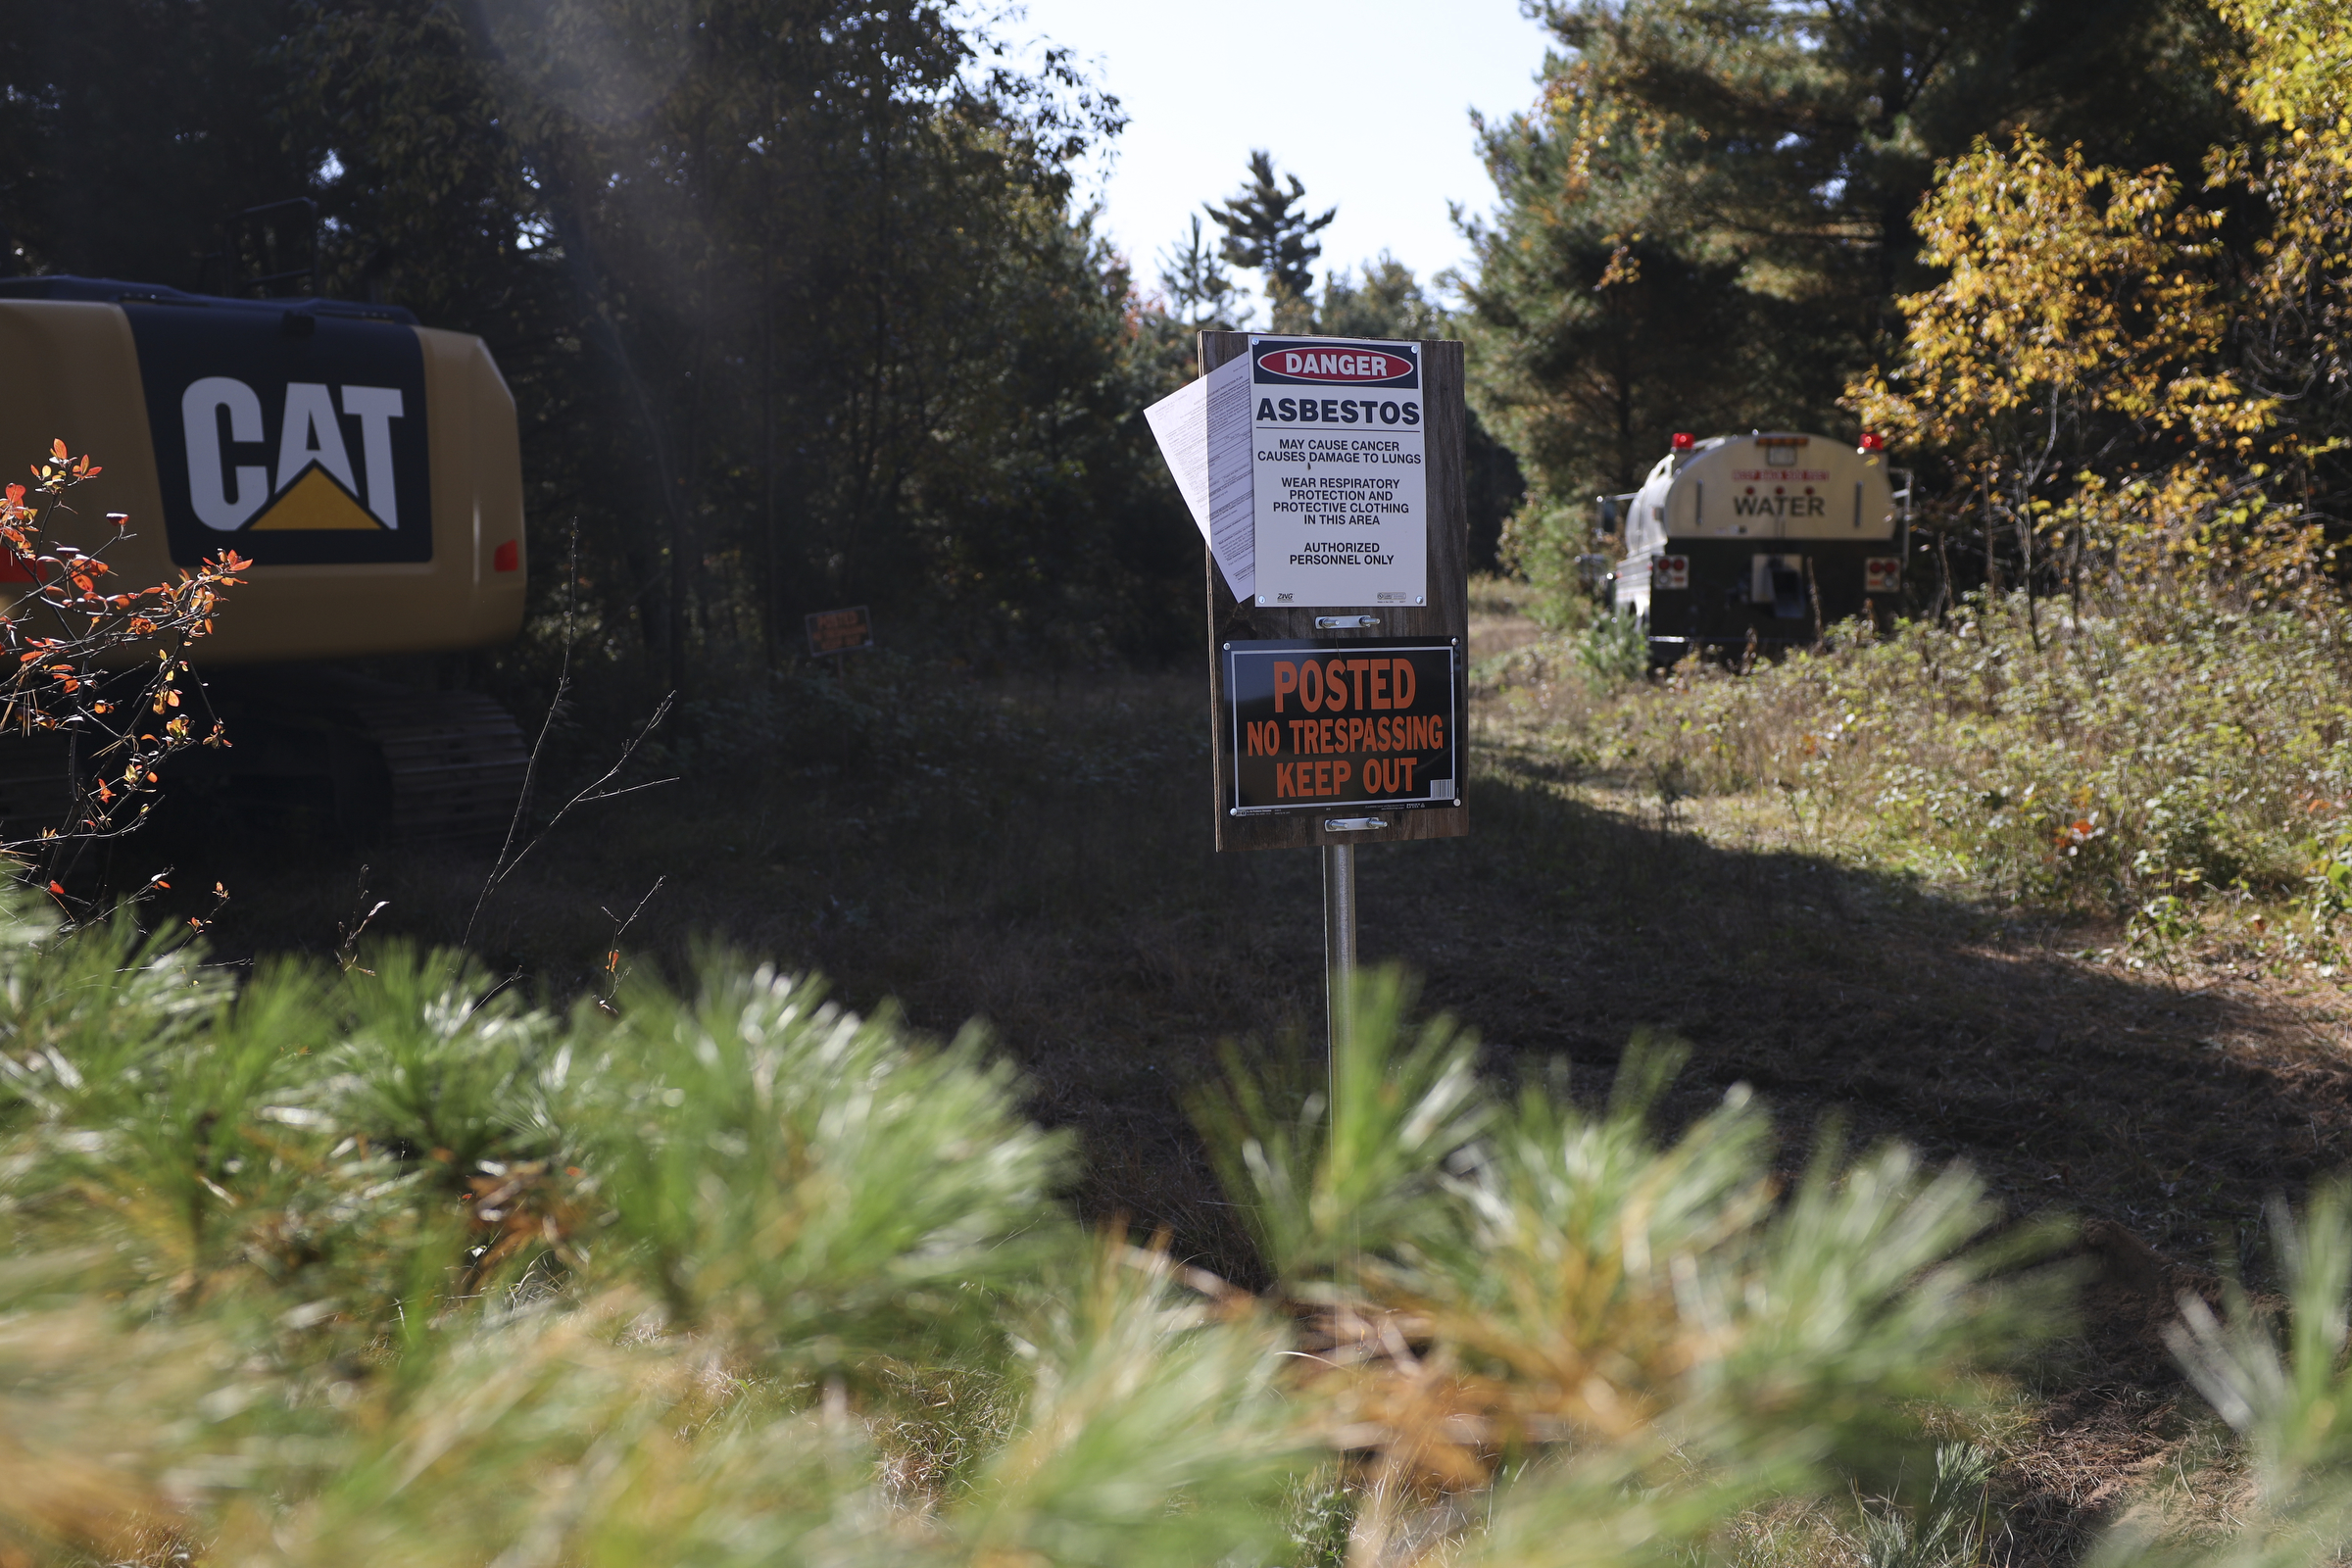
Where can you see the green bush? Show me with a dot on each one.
(1615, 649)
(2166, 746)
(385, 1266)
(1541, 543)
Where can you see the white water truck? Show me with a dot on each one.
(1758, 540)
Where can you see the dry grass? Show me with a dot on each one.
(1042, 861)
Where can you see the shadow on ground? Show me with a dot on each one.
(1078, 910)
(1069, 898)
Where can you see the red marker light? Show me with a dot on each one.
(1872, 441)
(1684, 441)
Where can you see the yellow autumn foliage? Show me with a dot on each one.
(2101, 390)
(2297, 54)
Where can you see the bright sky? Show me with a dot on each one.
(1366, 101)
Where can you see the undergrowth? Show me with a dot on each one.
(387, 1264)
(2159, 759)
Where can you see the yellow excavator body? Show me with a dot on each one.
(368, 467)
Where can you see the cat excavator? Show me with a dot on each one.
(368, 465)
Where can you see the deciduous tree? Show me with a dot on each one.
(1705, 221)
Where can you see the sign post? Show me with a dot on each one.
(1327, 477)
(1339, 958)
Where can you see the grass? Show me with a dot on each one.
(2092, 765)
(1643, 855)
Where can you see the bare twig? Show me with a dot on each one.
(592, 793)
(530, 770)
(508, 854)
(615, 795)
(347, 946)
(614, 973)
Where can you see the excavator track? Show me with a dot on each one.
(453, 763)
(384, 762)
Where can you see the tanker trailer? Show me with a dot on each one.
(368, 467)
(1761, 539)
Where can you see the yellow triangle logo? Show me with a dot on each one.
(314, 504)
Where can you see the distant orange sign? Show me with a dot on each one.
(840, 631)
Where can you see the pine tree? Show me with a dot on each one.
(1383, 299)
(1268, 230)
(1201, 295)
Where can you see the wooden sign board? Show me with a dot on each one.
(1257, 807)
(840, 631)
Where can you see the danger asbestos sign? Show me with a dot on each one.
(1338, 480)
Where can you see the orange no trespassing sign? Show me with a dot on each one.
(840, 631)
(1360, 722)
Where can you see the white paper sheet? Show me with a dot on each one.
(1203, 435)
(1232, 511)
(1180, 425)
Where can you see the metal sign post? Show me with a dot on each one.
(1339, 957)
(1326, 476)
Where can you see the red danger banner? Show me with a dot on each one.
(1366, 721)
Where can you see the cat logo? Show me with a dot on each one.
(315, 489)
(295, 437)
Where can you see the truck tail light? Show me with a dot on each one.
(1670, 572)
(1872, 441)
(1684, 440)
(1883, 574)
